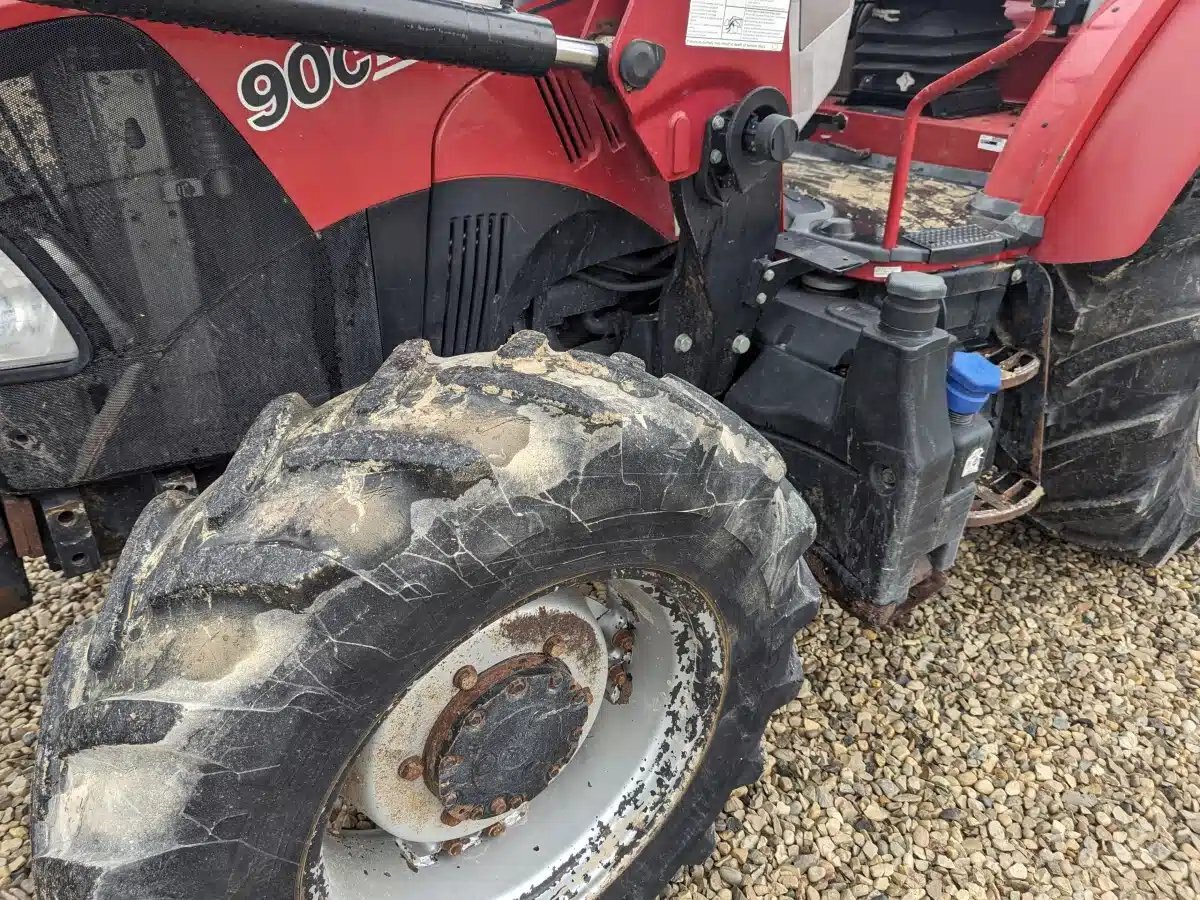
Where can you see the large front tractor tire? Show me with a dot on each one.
(503, 625)
(1122, 452)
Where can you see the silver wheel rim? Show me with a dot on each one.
(630, 770)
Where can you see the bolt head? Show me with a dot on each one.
(412, 768)
(554, 772)
(769, 275)
(716, 157)
(454, 848)
(517, 687)
(579, 692)
(683, 343)
(450, 820)
(499, 806)
(555, 647)
(494, 831)
(741, 344)
(475, 719)
(760, 299)
(466, 678)
(718, 123)
(1017, 276)
(623, 640)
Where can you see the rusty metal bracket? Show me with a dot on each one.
(1002, 497)
(73, 547)
(23, 527)
(1016, 366)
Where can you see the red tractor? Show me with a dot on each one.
(470, 404)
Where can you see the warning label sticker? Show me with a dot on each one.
(738, 24)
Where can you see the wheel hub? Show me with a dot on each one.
(489, 727)
(500, 744)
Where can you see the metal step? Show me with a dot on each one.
(1016, 366)
(958, 242)
(1002, 497)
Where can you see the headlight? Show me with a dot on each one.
(31, 332)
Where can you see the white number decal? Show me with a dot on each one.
(306, 79)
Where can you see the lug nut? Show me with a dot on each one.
(553, 773)
(499, 806)
(475, 719)
(454, 815)
(466, 678)
(494, 831)
(582, 693)
(623, 640)
(454, 848)
(412, 768)
(555, 647)
(449, 762)
(516, 687)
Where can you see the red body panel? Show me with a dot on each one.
(1142, 150)
(944, 142)
(671, 115)
(368, 144)
(583, 142)
(1069, 102)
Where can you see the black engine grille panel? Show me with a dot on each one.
(202, 290)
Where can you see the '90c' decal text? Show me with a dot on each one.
(306, 79)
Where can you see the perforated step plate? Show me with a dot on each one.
(957, 242)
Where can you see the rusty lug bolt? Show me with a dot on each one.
(499, 806)
(578, 692)
(555, 647)
(412, 768)
(554, 772)
(466, 678)
(476, 719)
(455, 815)
(449, 762)
(494, 831)
(577, 734)
(623, 640)
(517, 687)
(454, 848)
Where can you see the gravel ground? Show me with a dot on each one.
(1033, 733)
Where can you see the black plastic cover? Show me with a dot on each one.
(202, 291)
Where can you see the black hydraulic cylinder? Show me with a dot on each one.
(489, 38)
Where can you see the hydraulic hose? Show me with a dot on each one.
(490, 38)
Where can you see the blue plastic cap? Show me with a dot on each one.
(971, 380)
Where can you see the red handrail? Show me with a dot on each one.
(912, 113)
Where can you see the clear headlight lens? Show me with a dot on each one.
(31, 332)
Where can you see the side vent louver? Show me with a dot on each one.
(474, 279)
(579, 121)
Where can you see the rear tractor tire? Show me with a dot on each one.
(502, 625)
(1122, 453)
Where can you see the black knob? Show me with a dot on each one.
(773, 138)
(640, 62)
(913, 304)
